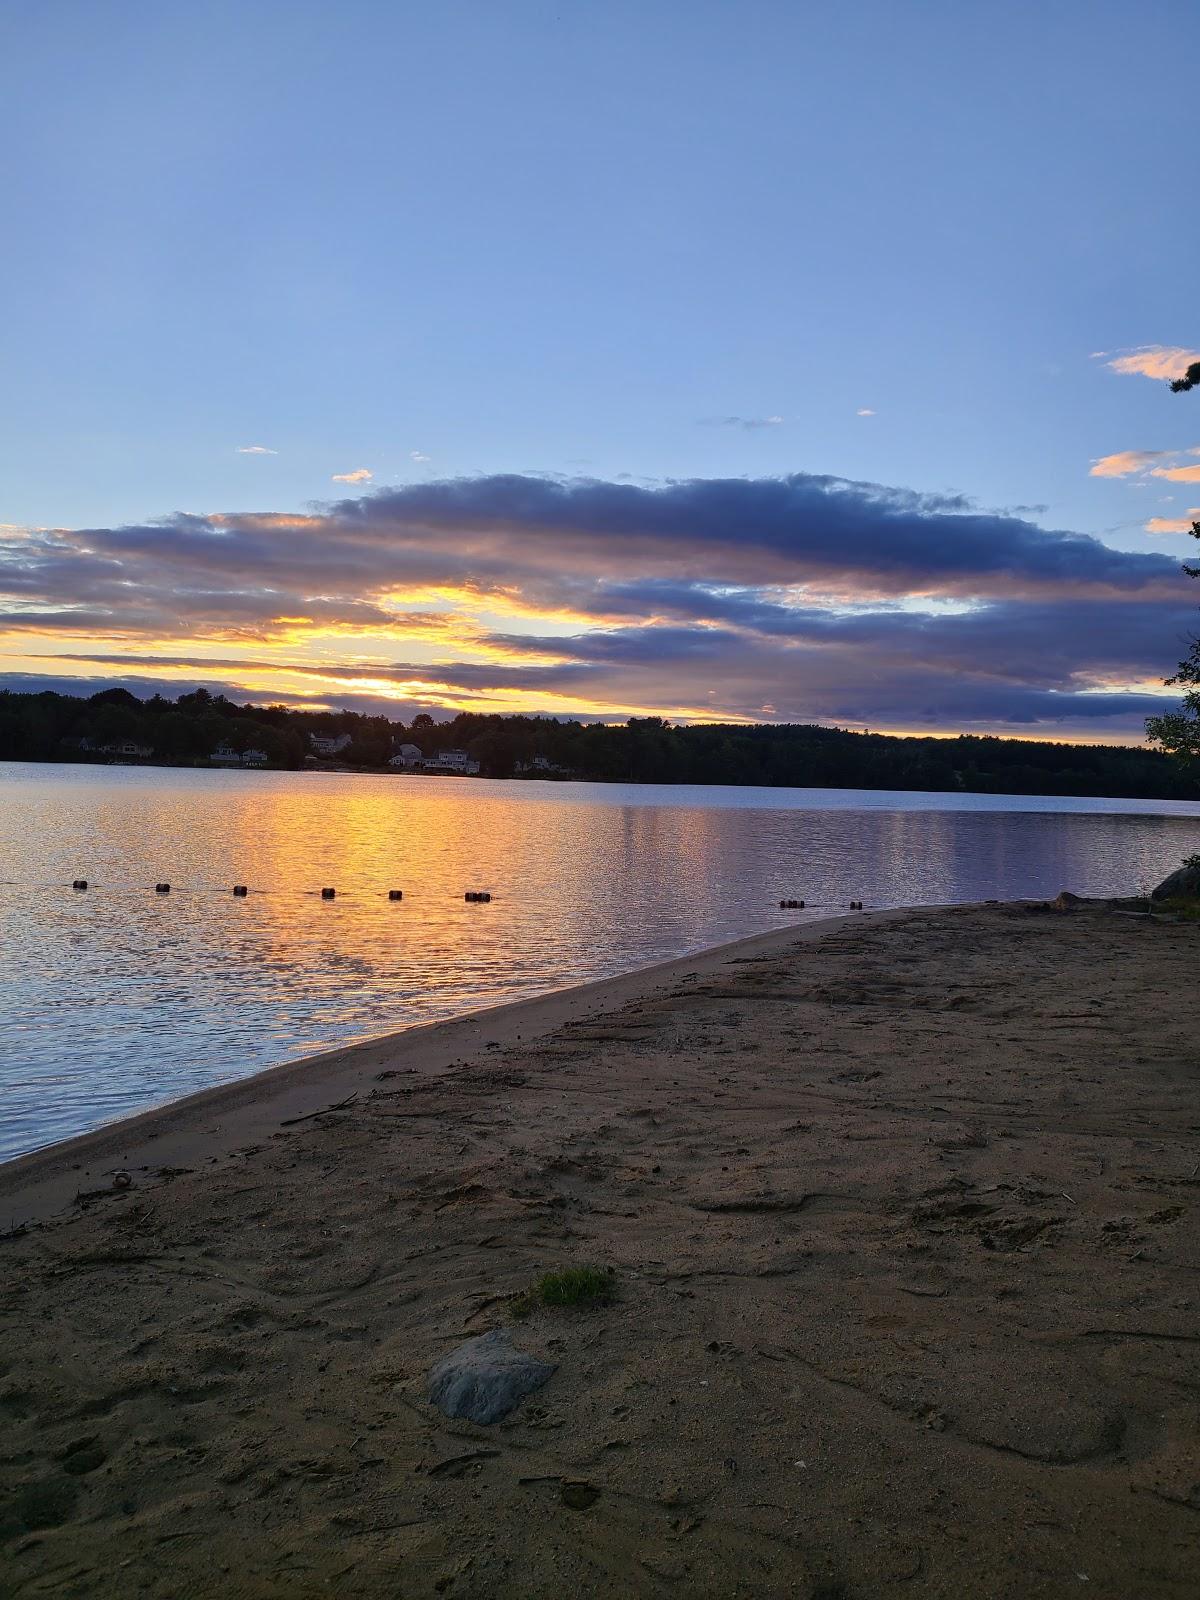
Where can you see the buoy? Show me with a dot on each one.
(328, 894)
(395, 894)
(79, 883)
(240, 889)
(162, 888)
(478, 896)
(791, 905)
(856, 905)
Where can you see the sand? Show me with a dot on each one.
(902, 1215)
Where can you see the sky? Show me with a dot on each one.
(720, 359)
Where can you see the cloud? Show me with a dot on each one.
(827, 599)
(1181, 524)
(255, 450)
(359, 475)
(1125, 462)
(749, 423)
(1154, 361)
(1177, 474)
(864, 411)
(417, 455)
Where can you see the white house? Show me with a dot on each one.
(127, 750)
(543, 765)
(329, 747)
(456, 761)
(407, 755)
(254, 758)
(225, 756)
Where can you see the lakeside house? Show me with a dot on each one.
(254, 758)
(125, 750)
(543, 767)
(456, 762)
(323, 746)
(408, 756)
(225, 756)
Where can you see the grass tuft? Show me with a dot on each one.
(1179, 905)
(580, 1288)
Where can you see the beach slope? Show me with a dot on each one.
(902, 1221)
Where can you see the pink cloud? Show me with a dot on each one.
(1124, 462)
(1156, 361)
(1181, 524)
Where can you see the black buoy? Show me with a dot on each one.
(328, 894)
(162, 888)
(395, 894)
(240, 889)
(856, 905)
(79, 883)
(477, 896)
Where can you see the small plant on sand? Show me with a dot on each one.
(580, 1288)
(1179, 906)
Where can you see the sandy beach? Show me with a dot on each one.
(901, 1211)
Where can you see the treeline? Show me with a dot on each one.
(57, 727)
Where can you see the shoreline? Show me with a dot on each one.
(43, 1183)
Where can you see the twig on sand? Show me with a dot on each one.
(338, 1105)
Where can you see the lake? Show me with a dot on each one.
(117, 999)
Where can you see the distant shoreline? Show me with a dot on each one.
(200, 729)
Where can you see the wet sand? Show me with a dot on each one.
(902, 1213)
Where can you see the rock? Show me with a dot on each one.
(1068, 902)
(486, 1378)
(1185, 882)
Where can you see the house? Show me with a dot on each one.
(328, 747)
(254, 758)
(541, 767)
(225, 756)
(407, 755)
(453, 761)
(126, 750)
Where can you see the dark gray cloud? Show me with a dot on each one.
(705, 592)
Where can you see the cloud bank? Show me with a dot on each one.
(819, 598)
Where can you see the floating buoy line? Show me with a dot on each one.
(241, 891)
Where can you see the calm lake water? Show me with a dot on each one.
(118, 999)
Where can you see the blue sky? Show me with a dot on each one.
(631, 242)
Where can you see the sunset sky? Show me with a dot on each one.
(762, 360)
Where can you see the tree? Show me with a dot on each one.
(1178, 733)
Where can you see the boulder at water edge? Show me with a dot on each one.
(1185, 882)
(484, 1379)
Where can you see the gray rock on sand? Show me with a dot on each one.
(1186, 881)
(486, 1378)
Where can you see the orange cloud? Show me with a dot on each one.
(1124, 462)
(1177, 474)
(1181, 524)
(1156, 361)
(359, 475)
